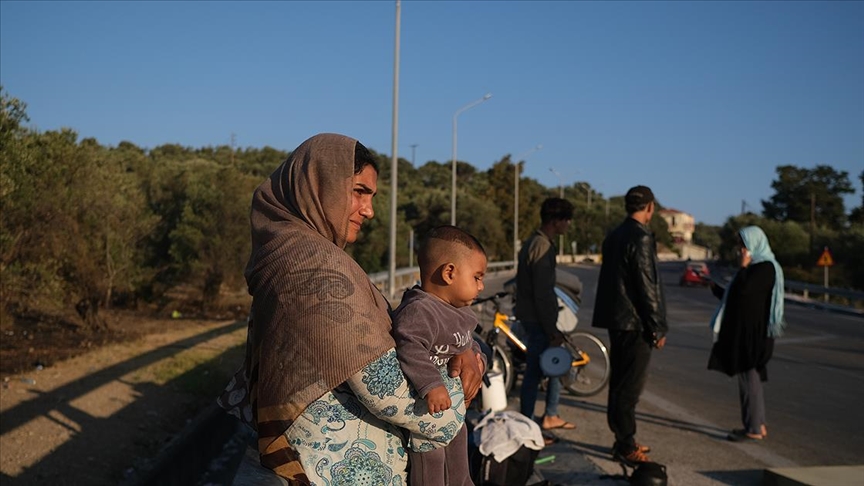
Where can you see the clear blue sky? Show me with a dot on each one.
(699, 100)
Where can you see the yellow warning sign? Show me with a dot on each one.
(825, 260)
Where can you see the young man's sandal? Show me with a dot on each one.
(563, 424)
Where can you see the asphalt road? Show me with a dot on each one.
(814, 394)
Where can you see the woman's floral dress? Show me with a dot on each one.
(355, 434)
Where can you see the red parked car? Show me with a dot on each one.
(695, 273)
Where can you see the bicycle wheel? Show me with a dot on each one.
(586, 379)
(502, 363)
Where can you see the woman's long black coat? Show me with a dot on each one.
(743, 341)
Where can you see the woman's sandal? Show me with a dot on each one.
(741, 435)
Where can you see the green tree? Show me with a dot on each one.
(43, 219)
(857, 215)
(73, 222)
(482, 218)
(848, 253)
(13, 172)
(164, 183)
(500, 179)
(260, 162)
(106, 223)
(210, 244)
(788, 239)
(435, 175)
(126, 223)
(797, 189)
(707, 236)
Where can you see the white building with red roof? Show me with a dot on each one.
(681, 224)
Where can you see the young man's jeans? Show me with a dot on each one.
(537, 342)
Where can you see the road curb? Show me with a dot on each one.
(186, 458)
(814, 476)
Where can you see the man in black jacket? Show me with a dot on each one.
(630, 304)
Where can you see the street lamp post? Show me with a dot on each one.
(561, 195)
(453, 176)
(394, 162)
(413, 150)
(516, 202)
(560, 182)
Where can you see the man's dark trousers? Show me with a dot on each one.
(629, 362)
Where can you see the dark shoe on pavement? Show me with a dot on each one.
(631, 459)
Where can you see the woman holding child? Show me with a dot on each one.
(321, 383)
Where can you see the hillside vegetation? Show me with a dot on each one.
(89, 230)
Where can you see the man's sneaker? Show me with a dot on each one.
(632, 459)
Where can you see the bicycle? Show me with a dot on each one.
(589, 370)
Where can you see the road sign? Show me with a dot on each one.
(825, 260)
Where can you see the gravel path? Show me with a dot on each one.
(102, 416)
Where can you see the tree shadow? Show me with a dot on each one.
(84, 456)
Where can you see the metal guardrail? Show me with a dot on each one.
(803, 293)
(807, 288)
(405, 278)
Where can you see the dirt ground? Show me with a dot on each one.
(78, 408)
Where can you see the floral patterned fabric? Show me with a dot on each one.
(355, 434)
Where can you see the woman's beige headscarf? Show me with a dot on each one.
(316, 318)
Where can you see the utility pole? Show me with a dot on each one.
(411, 247)
(812, 219)
(413, 148)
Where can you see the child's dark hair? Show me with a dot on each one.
(362, 158)
(451, 234)
(555, 208)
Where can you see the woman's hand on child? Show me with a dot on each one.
(467, 366)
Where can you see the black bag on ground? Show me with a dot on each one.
(513, 471)
(649, 474)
